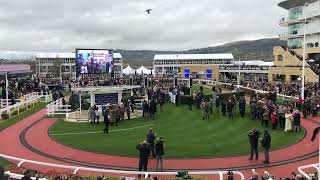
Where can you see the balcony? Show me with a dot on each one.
(285, 22)
(286, 35)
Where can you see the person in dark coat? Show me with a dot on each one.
(106, 120)
(296, 121)
(159, 153)
(153, 108)
(230, 107)
(266, 141)
(189, 102)
(242, 106)
(253, 139)
(144, 152)
(223, 107)
(218, 102)
(150, 140)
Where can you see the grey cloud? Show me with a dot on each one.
(43, 25)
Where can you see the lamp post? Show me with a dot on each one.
(304, 53)
(239, 73)
(7, 93)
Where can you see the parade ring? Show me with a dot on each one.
(25, 140)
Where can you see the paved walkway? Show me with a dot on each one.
(29, 139)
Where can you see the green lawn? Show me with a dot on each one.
(206, 90)
(17, 118)
(186, 135)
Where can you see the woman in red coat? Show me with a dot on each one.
(274, 120)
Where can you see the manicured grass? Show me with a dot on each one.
(206, 90)
(17, 118)
(186, 135)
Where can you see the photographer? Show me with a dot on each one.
(253, 139)
(144, 152)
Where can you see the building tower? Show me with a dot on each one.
(303, 21)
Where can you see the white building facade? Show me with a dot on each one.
(300, 11)
(171, 63)
(49, 63)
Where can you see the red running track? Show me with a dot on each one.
(38, 134)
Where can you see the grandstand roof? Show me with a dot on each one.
(192, 56)
(288, 4)
(67, 55)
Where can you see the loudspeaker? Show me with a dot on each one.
(175, 82)
(190, 82)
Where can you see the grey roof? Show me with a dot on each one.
(289, 4)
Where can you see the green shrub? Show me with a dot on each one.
(14, 112)
(4, 116)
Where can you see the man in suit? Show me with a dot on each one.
(144, 152)
(266, 141)
(150, 140)
(253, 139)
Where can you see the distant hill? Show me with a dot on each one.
(246, 50)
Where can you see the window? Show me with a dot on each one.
(295, 13)
(280, 58)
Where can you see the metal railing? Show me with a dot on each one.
(57, 107)
(75, 169)
(315, 166)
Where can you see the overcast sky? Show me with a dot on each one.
(63, 25)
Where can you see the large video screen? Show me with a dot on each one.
(94, 61)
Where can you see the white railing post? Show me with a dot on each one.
(76, 170)
(220, 176)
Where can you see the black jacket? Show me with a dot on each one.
(254, 138)
(150, 138)
(296, 119)
(266, 141)
(144, 150)
(105, 117)
(159, 148)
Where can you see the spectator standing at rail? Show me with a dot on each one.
(266, 141)
(144, 152)
(159, 150)
(254, 141)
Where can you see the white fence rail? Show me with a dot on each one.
(302, 168)
(20, 176)
(29, 99)
(211, 82)
(57, 107)
(75, 169)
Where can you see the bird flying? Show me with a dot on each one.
(148, 11)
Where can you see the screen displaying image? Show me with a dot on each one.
(91, 61)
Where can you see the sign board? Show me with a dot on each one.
(209, 73)
(103, 99)
(187, 73)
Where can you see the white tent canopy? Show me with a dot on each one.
(128, 70)
(143, 70)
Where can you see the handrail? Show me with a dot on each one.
(243, 87)
(19, 176)
(316, 166)
(75, 169)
